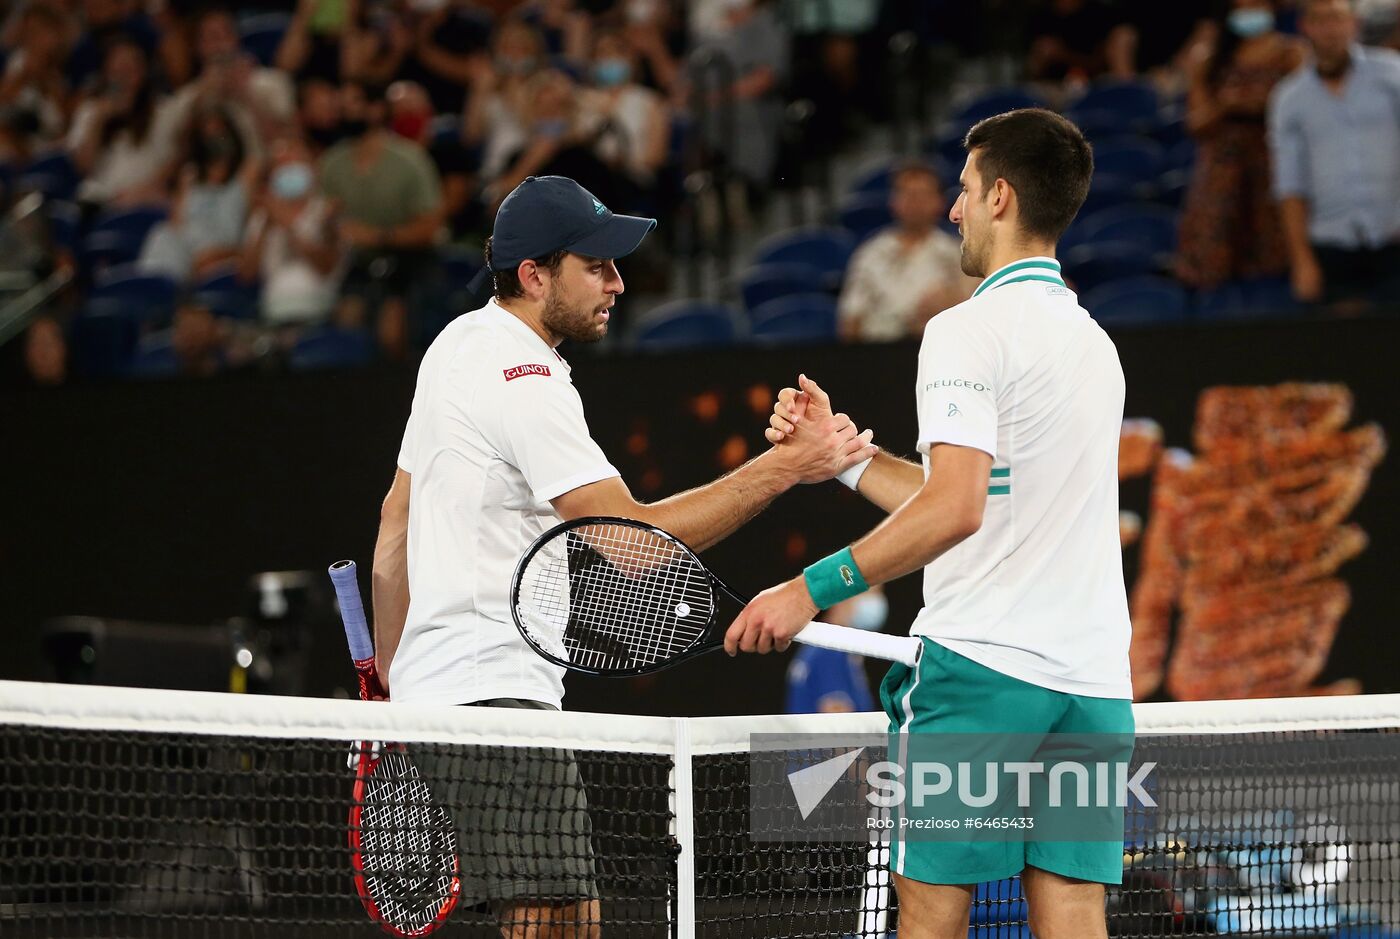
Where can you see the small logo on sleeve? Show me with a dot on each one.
(953, 410)
(848, 576)
(521, 370)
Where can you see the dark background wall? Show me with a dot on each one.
(157, 502)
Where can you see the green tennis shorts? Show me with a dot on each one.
(948, 702)
(523, 829)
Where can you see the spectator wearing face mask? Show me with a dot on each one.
(292, 250)
(411, 116)
(1230, 227)
(559, 144)
(124, 137)
(495, 119)
(630, 124)
(388, 197)
(205, 227)
(827, 681)
(261, 100)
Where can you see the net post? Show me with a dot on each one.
(683, 819)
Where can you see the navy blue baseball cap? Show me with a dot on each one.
(552, 213)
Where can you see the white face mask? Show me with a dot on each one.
(869, 611)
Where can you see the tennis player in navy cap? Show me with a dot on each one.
(496, 451)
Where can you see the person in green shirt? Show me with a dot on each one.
(389, 205)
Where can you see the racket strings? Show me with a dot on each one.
(615, 596)
(407, 846)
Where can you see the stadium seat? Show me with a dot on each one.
(102, 340)
(1171, 188)
(804, 317)
(995, 102)
(154, 357)
(1137, 300)
(52, 174)
(459, 267)
(1150, 228)
(1108, 191)
(1136, 158)
(1256, 299)
(327, 347)
(876, 179)
(827, 250)
(1097, 125)
(863, 216)
(146, 296)
(1088, 266)
(65, 218)
(686, 324)
(764, 282)
(1181, 155)
(116, 237)
(1134, 104)
(262, 35)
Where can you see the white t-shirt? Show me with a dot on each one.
(496, 431)
(1022, 373)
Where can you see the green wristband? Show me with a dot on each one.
(834, 578)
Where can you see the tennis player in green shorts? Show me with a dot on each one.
(1013, 517)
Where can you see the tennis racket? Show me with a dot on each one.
(613, 596)
(403, 848)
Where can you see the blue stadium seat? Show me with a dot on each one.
(1107, 191)
(1096, 124)
(102, 340)
(995, 102)
(116, 237)
(262, 35)
(1151, 228)
(146, 296)
(327, 347)
(764, 282)
(1088, 266)
(65, 218)
(686, 324)
(877, 179)
(52, 174)
(1137, 300)
(459, 267)
(445, 127)
(804, 317)
(1181, 155)
(827, 250)
(154, 357)
(1245, 299)
(1135, 104)
(1171, 188)
(1137, 158)
(863, 216)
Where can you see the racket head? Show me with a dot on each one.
(403, 847)
(613, 596)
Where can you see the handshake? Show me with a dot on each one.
(813, 443)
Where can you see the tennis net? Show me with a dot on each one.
(129, 812)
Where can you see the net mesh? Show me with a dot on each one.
(615, 597)
(172, 814)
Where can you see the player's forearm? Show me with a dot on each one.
(701, 517)
(915, 534)
(389, 582)
(889, 481)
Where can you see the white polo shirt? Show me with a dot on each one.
(1021, 372)
(496, 431)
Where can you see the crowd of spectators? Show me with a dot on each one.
(320, 154)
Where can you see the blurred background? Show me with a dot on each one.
(209, 327)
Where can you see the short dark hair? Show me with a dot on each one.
(506, 284)
(1046, 160)
(916, 167)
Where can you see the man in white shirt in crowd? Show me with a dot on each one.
(497, 451)
(904, 275)
(1013, 518)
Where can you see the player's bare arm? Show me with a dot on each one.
(888, 481)
(946, 510)
(390, 580)
(703, 516)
